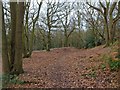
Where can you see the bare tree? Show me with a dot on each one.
(26, 31)
(94, 20)
(109, 21)
(66, 22)
(34, 20)
(50, 20)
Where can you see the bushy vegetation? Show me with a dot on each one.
(11, 79)
(114, 65)
(112, 58)
(82, 39)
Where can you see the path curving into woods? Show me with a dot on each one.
(67, 68)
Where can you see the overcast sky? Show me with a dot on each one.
(59, 0)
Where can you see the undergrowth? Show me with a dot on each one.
(10, 79)
(111, 58)
(114, 65)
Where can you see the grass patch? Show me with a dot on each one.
(91, 74)
(113, 64)
(103, 66)
(105, 58)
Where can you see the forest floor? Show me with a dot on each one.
(67, 68)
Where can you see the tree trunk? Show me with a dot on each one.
(48, 41)
(5, 60)
(32, 39)
(119, 53)
(24, 44)
(107, 32)
(119, 30)
(33, 29)
(111, 31)
(13, 30)
(119, 43)
(18, 48)
(26, 47)
(48, 46)
(66, 39)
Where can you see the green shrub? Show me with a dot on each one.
(114, 65)
(11, 79)
(14, 80)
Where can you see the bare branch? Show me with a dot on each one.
(118, 14)
(94, 7)
(112, 7)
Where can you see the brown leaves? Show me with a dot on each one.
(66, 68)
(113, 55)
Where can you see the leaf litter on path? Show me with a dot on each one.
(67, 68)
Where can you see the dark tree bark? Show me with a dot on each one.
(13, 30)
(5, 60)
(17, 69)
(119, 30)
(119, 44)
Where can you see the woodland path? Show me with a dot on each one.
(67, 68)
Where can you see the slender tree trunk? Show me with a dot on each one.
(119, 53)
(119, 43)
(111, 31)
(26, 47)
(44, 42)
(33, 29)
(66, 39)
(5, 60)
(32, 39)
(18, 48)
(49, 40)
(107, 32)
(48, 46)
(24, 44)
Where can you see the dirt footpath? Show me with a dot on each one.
(67, 68)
